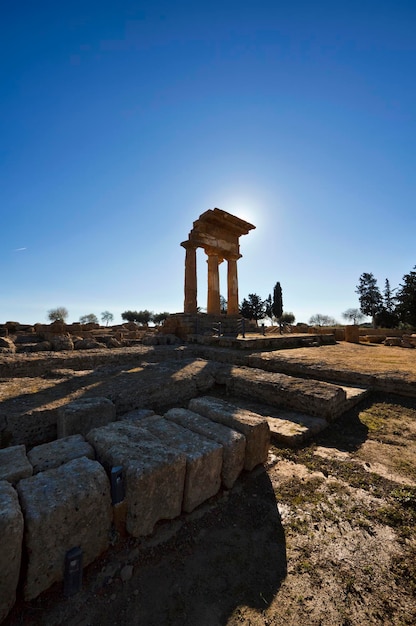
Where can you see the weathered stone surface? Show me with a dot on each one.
(63, 508)
(352, 333)
(154, 474)
(110, 342)
(56, 453)
(254, 428)
(137, 416)
(33, 427)
(7, 345)
(80, 416)
(88, 344)
(11, 533)
(14, 464)
(307, 396)
(288, 427)
(162, 385)
(61, 342)
(203, 460)
(393, 341)
(233, 442)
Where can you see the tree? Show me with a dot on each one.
(129, 316)
(389, 300)
(287, 317)
(322, 320)
(406, 299)
(58, 315)
(387, 316)
(253, 308)
(107, 317)
(91, 318)
(223, 305)
(158, 318)
(353, 315)
(141, 317)
(277, 306)
(268, 307)
(144, 317)
(370, 298)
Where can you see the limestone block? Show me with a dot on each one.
(137, 415)
(61, 342)
(393, 341)
(203, 460)
(255, 428)
(233, 442)
(154, 474)
(11, 533)
(56, 453)
(313, 397)
(63, 508)
(14, 464)
(80, 416)
(7, 345)
(352, 333)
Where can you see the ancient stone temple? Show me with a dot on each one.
(218, 233)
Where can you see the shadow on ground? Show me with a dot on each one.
(235, 555)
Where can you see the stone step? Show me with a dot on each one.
(306, 396)
(290, 428)
(354, 395)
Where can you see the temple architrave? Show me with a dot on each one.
(218, 233)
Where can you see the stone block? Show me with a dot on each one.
(313, 397)
(63, 508)
(154, 474)
(50, 455)
(14, 464)
(136, 416)
(203, 460)
(255, 429)
(233, 442)
(11, 533)
(80, 416)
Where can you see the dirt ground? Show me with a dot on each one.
(323, 535)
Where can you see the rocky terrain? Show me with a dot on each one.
(323, 534)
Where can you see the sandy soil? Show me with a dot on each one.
(321, 535)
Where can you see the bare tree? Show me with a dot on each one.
(90, 318)
(107, 317)
(353, 315)
(322, 320)
(58, 315)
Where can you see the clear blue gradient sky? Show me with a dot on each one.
(121, 122)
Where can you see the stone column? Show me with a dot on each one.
(213, 304)
(232, 282)
(190, 304)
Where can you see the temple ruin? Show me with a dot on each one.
(218, 233)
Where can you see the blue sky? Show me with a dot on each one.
(121, 122)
